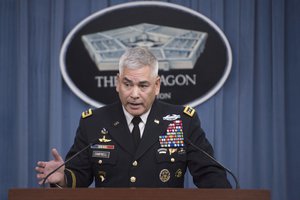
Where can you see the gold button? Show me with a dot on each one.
(135, 163)
(132, 179)
(172, 159)
(100, 162)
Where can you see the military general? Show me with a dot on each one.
(137, 141)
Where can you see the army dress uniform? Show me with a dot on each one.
(160, 160)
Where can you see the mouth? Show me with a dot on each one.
(134, 105)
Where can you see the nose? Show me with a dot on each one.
(135, 92)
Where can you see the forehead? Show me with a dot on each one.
(137, 75)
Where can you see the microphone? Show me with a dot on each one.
(237, 185)
(65, 162)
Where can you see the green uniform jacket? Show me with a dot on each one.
(160, 160)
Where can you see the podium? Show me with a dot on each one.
(137, 194)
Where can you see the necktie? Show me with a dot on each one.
(136, 131)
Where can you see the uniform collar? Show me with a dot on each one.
(129, 117)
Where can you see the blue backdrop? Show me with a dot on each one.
(252, 122)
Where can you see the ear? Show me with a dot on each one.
(157, 85)
(118, 83)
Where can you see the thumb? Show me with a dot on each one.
(56, 155)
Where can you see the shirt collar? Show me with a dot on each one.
(129, 117)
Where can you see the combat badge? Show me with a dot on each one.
(87, 113)
(171, 117)
(189, 111)
(164, 175)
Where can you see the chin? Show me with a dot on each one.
(137, 112)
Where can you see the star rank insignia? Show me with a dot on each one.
(189, 111)
(87, 113)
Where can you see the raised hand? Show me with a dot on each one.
(44, 168)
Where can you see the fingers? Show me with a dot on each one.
(44, 168)
(56, 155)
(40, 168)
(41, 164)
(40, 176)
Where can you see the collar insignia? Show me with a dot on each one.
(116, 123)
(156, 121)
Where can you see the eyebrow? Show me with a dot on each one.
(130, 81)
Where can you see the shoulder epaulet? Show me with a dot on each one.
(87, 113)
(189, 111)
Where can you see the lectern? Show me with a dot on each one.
(137, 194)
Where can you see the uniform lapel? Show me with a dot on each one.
(155, 127)
(120, 131)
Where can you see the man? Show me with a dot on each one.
(140, 141)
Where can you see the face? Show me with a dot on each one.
(137, 89)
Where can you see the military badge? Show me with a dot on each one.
(103, 139)
(189, 111)
(162, 150)
(171, 117)
(178, 173)
(164, 175)
(104, 131)
(181, 151)
(87, 113)
(172, 150)
(173, 136)
(102, 175)
(116, 123)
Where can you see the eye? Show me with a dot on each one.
(127, 84)
(144, 86)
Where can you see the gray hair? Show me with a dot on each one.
(138, 57)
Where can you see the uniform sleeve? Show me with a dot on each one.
(206, 173)
(78, 171)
